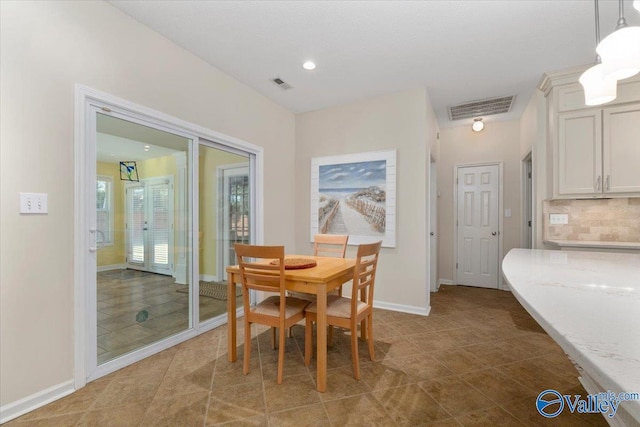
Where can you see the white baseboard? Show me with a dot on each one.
(112, 267)
(402, 308)
(445, 282)
(35, 401)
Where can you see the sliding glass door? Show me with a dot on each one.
(142, 293)
(225, 218)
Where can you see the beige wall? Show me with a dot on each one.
(498, 142)
(46, 48)
(393, 121)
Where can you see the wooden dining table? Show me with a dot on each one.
(327, 275)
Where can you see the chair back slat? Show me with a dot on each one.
(364, 274)
(330, 244)
(261, 276)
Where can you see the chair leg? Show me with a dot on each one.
(370, 336)
(273, 338)
(283, 331)
(308, 341)
(354, 353)
(247, 347)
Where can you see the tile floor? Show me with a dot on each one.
(478, 360)
(124, 295)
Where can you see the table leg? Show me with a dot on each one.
(231, 319)
(321, 346)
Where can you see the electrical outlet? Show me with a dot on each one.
(558, 219)
(33, 203)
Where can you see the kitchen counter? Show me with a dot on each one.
(589, 303)
(592, 244)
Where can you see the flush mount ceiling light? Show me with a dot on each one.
(597, 90)
(620, 50)
(309, 65)
(477, 125)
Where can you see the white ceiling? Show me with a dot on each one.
(459, 50)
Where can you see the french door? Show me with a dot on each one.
(149, 225)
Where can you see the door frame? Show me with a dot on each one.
(500, 216)
(527, 201)
(87, 99)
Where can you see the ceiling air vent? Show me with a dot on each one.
(481, 108)
(281, 83)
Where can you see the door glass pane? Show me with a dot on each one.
(225, 209)
(143, 287)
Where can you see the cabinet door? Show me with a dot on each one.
(579, 153)
(621, 149)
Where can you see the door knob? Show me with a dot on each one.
(432, 234)
(494, 233)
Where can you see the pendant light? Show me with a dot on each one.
(597, 90)
(620, 50)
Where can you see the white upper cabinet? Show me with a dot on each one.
(621, 149)
(595, 150)
(579, 153)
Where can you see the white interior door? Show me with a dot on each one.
(149, 225)
(478, 226)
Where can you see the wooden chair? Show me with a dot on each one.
(276, 311)
(348, 313)
(331, 245)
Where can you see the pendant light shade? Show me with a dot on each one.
(597, 90)
(620, 50)
(620, 53)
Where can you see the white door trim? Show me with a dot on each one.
(500, 216)
(527, 203)
(86, 98)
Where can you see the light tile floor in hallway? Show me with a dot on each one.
(478, 360)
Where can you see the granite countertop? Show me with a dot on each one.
(589, 303)
(592, 244)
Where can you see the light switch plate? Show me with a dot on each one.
(507, 213)
(558, 219)
(33, 203)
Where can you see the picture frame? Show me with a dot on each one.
(355, 194)
(129, 171)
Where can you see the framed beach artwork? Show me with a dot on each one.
(355, 194)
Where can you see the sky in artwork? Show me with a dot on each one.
(353, 175)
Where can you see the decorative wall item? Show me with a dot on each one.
(129, 171)
(355, 194)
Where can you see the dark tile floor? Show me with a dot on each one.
(478, 360)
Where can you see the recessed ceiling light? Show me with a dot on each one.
(478, 125)
(309, 65)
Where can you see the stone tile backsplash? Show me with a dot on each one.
(609, 220)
